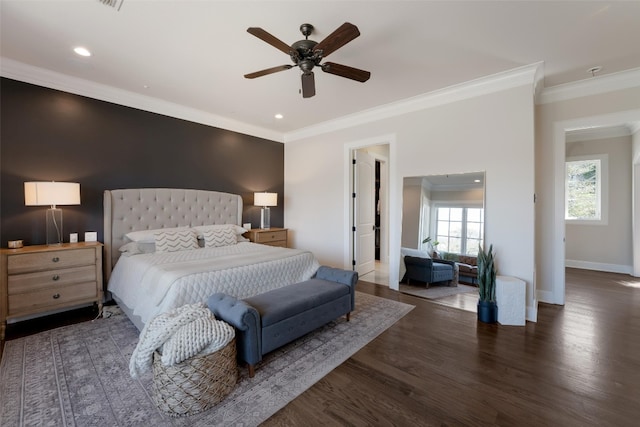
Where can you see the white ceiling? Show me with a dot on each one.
(194, 54)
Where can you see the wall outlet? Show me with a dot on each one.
(246, 226)
(91, 236)
(73, 238)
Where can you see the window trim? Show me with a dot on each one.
(453, 204)
(604, 190)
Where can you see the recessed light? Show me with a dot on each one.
(278, 116)
(82, 51)
(476, 180)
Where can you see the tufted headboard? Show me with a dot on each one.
(150, 208)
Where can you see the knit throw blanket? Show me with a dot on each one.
(180, 334)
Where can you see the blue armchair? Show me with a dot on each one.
(429, 271)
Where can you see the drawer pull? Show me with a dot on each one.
(55, 259)
(56, 277)
(56, 296)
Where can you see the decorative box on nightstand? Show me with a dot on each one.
(37, 279)
(268, 236)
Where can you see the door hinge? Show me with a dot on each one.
(353, 262)
(353, 195)
(353, 161)
(353, 229)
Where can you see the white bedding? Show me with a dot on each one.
(151, 284)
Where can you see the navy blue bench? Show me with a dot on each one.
(270, 320)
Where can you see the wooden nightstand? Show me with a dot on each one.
(268, 236)
(37, 279)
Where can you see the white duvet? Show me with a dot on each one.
(151, 284)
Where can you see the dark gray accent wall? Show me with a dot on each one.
(49, 135)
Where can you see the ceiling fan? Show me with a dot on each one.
(306, 54)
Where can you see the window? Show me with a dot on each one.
(459, 229)
(585, 189)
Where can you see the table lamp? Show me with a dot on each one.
(265, 200)
(43, 193)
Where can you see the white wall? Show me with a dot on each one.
(551, 119)
(473, 196)
(492, 133)
(635, 200)
(605, 247)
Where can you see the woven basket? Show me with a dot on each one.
(196, 384)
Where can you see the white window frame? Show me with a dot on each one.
(453, 204)
(603, 192)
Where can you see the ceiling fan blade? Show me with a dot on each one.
(308, 85)
(272, 40)
(334, 41)
(267, 71)
(346, 71)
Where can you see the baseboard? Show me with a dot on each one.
(597, 266)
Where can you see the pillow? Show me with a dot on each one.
(202, 228)
(148, 236)
(134, 248)
(176, 240)
(414, 252)
(216, 237)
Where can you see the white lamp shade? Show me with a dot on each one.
(265, 199)
(43, 193)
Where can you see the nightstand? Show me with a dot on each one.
(268, 236)
(37, 279)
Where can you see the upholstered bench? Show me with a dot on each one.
(270, 320)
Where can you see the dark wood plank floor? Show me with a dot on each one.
(579, 365)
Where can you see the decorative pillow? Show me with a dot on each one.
(216, 237)
(177, 240)
(134, 248)
(236, 228)
(148, 236)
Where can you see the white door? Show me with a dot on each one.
(364, 212)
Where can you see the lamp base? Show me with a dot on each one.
(54, 226)
(265, 218)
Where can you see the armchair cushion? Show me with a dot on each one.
(428, 270)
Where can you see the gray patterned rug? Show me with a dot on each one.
(78, 375)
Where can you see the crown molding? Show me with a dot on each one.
(482, 86)
(592, 86)
(593, 134)
(39, 76)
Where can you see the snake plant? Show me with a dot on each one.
(486, 275)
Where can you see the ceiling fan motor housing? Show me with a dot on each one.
(302, 51)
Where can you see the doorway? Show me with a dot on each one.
(631, 119)
(370, 207)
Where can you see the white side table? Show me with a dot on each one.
(511, 297)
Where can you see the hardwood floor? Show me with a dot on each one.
(579, 365)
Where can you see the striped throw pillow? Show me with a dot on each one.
(176, 240)
(214, 238)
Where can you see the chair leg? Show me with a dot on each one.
(252, 370)
(348, 316)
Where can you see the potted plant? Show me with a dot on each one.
(433, 245)
(487, 307)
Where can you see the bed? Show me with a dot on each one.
(152, 264)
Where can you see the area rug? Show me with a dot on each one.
(78, 375)
(436, 292)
